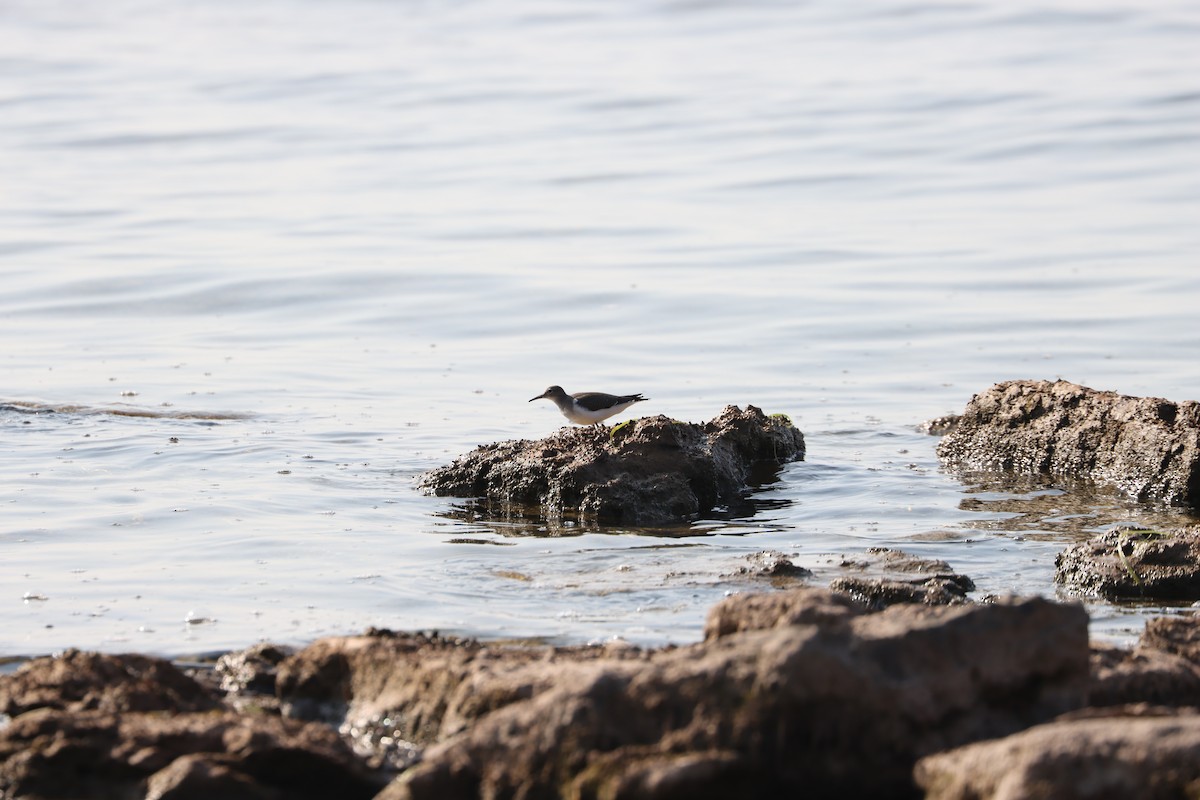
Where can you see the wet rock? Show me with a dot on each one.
(879, 593)
(79, 681)
(823, 710)
(58, 754)
(1130, 753)
(251, 670)
(893, 576)
(772, 564)
(939, 426)
(1125, 563)
(1147, 447)
(650, 471)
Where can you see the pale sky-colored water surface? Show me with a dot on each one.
(328, 246)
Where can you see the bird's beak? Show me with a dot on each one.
(539, 397)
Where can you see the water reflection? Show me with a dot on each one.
(511, 519)
(1057, 509)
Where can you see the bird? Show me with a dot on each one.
(588, 408)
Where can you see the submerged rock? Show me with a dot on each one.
(650, 471)
(1133, 563)
(1147, 447)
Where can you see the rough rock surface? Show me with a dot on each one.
(793, 693)
(893, 576)
(1176, 635)
(393, 694)
(842, 708)
(759, 612)
(1143, 674)
(1130, 753)
(78, 681)
(1146, 446)
(1125, 563)
(93, 725)
(51, 754)
(1162, 670)
(879, 593)
(650, 471)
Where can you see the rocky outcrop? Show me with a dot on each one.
(1132, 752)
(78, 681)
(1176, 635)
(48, 754)
(799, 692)
(1163, 669)
(393, 694)
(650, 471)
(91, 725)
(1138, 737)
(1147, 447)
(840, 708)
(1133, 563)
(1122, 676)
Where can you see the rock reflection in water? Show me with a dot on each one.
(1057, 509)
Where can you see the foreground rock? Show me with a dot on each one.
(840, 707)
(91, 725)
(793, 693)
(651, 471)
(1146, 446)
(1133, 563)
(1139, 752)
(50, 754)
(393, 694)
(77, 681)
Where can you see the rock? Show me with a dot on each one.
(251, 670)
(651, 471)
(1176, 635)
(839, 709)
(879, 593)
(49, 753)
(898, 577)
(1126, 563)
(200, 777)
(79, 681)
(393, 694)
(772, 564)
(757, 612)
(1147, 447)
(1128, 754)
(1122, 676)
(939, 426)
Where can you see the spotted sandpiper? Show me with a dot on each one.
(588, 408)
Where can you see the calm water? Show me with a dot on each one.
(317, 248)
